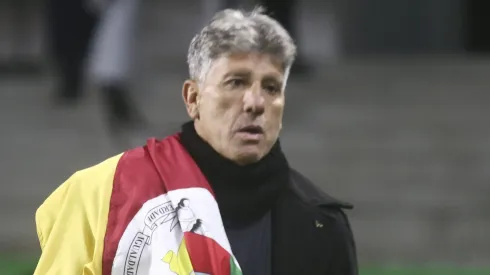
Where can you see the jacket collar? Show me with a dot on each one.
(304, 228)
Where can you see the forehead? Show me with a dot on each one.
(253, 63)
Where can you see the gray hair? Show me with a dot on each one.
(236, 31)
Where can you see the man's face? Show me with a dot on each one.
(238, 109)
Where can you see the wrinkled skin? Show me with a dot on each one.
(239, 90)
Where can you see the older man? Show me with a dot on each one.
(217, 198)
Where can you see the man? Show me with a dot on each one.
(217, 198)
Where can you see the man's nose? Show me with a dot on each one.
(253, 100)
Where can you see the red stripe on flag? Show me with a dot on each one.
(206, 255)
(143, 174)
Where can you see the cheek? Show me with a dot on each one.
(277, 107)
(224, 104)
(217, 107)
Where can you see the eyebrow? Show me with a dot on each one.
(246, 73)
(274, 78)
(241, 73)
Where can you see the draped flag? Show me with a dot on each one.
(147, 211)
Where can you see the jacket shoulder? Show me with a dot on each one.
(310, 193)
(338, 231)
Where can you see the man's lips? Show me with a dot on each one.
(252, 129)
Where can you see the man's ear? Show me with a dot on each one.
(190, 94)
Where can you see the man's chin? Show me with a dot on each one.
(248, 155)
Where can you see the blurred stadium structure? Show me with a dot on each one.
(396, 121)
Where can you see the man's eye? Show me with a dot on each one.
(272, 89)
(235, 83)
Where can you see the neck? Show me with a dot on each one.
(243, 192)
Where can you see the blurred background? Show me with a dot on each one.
(387, 108)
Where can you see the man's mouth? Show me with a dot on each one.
(252, 129)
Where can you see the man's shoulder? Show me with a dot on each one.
(89, 181)
(133, 165)
(106, 169)
(88, 184)
(331, 233)
(85, 189)
(100, 175)
(315, 200)
(312, 195)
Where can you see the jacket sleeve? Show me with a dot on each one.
(71, 222)
(345, 256)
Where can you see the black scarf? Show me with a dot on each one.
(244, 193)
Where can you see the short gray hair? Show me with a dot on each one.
(236, 31)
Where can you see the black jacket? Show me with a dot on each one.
(310, 232)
